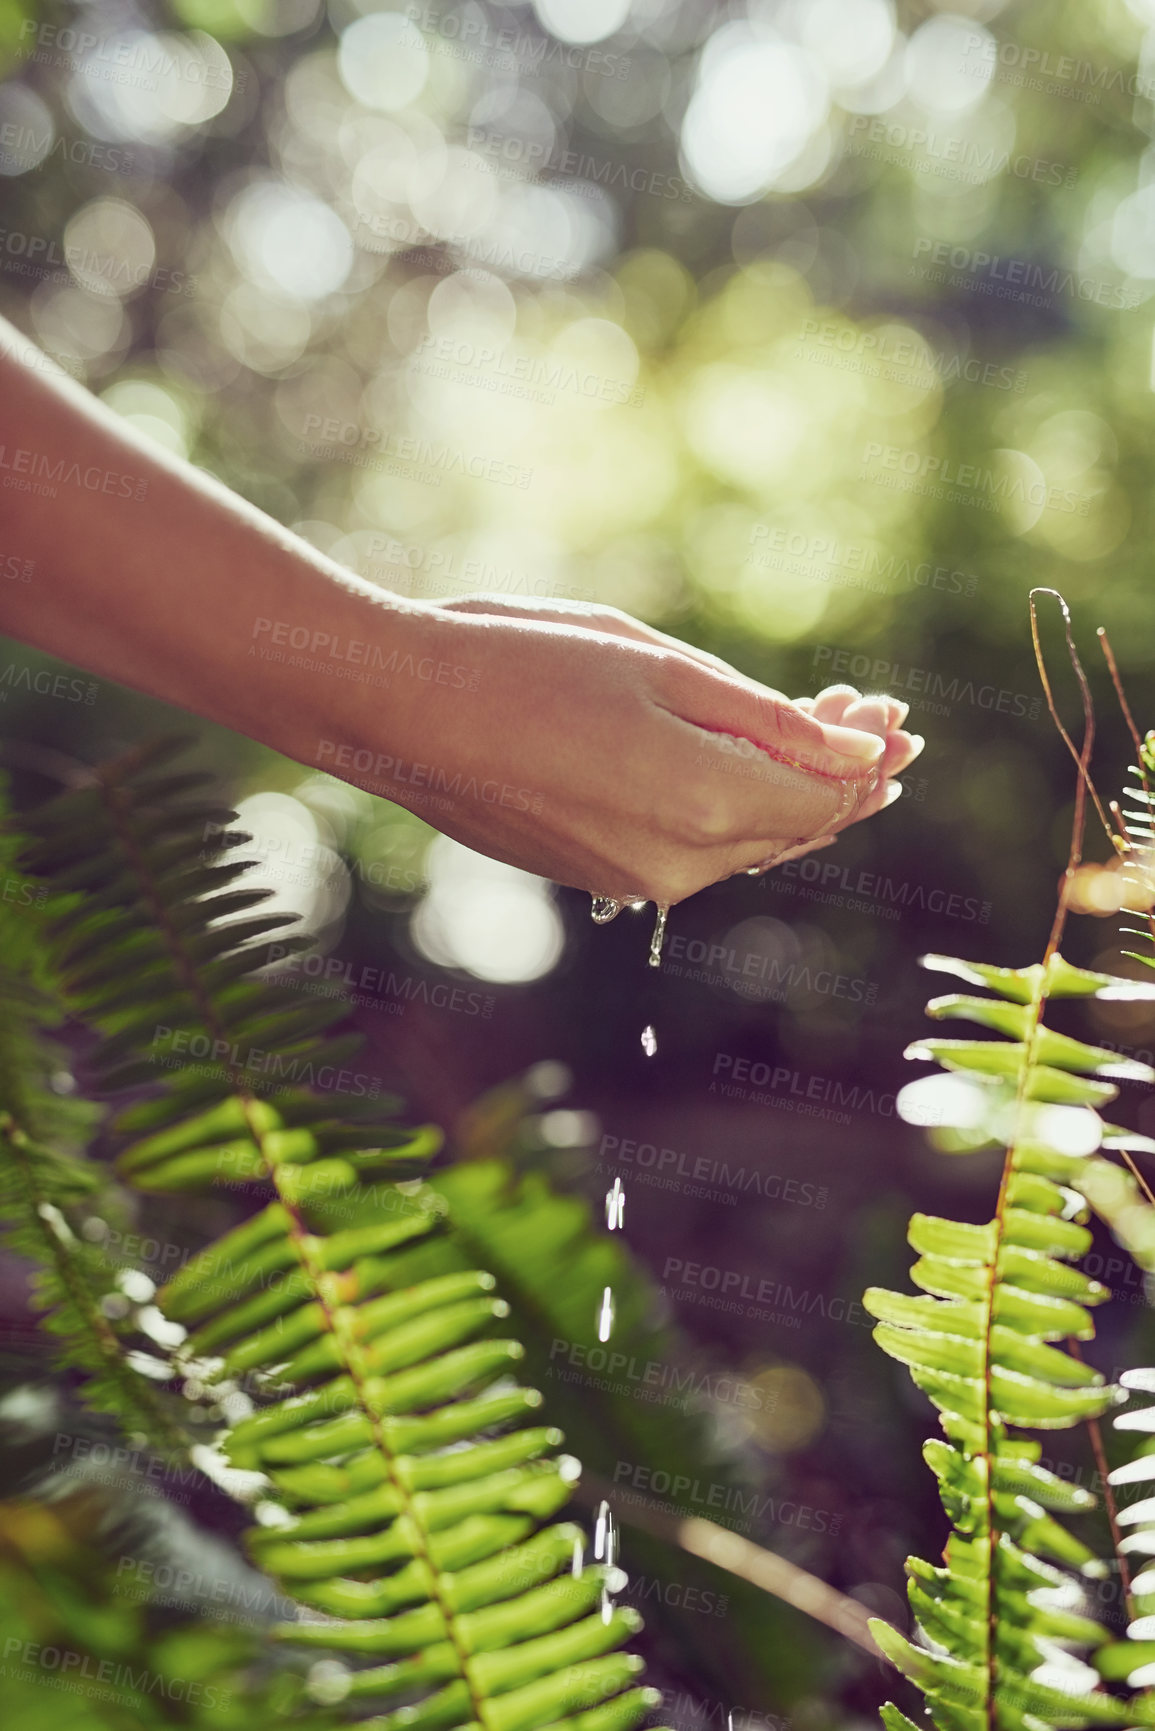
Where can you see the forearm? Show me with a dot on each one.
(150, 573)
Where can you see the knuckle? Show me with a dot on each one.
(788, 726)
(705, 818)
(772, 717)
(682, 682)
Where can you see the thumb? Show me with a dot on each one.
(776, 726)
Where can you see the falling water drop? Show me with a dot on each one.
(605, 1550)
(649, 1040)
(605, 1536)
(616, 1206)
(605, 909)
(606, 1315)
(659, 936)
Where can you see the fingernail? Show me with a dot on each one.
(893, 792)
(851, 742)
(917, 742)
(902, 708)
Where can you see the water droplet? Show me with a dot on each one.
(615, 1206)
(605, 1536)
(853, 794)
(659, 936)
(649, 1041)
(607, 1604)
(606, 1315)
(578, 1559)
(605, 909)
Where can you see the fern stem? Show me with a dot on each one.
(301, 1240)
(1030, 1041)
(988, 1450)
(1109, 1502)
(352, 1364)
(1129, 1161)
(1082, 757)
(1120, 693)
(739, 1556)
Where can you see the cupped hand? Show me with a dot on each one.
(603, 754)
(841, 704)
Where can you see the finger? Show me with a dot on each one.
(804, 847)
(741, 796)
(761, 857)
(874, 800)
(785, 733)
(901, 751)
(764, 856)
(871, 714)
(831, 704)
(799, 849)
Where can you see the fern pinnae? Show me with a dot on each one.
(400, 1513)
(996, 1495)
(1000, 1623)
(36, 1186)
(1124, 1200)
(45, 1181)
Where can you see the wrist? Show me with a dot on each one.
(373, 674)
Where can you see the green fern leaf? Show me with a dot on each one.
(409, 1476)
(1000, 1625)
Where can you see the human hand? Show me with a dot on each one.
(580, 744)
(839, 704)
(586, 616)
(618, 762)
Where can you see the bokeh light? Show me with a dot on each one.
(492, 920)
(759, 103)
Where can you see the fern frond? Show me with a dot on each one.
(1124, 1203)
(47, 1184)
(82, 1655)
(404, 1518)
(75, 1287)
(404, 1511)
(148, 952)
(1001, 1623)
(1133, 1660)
